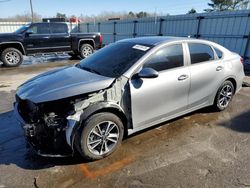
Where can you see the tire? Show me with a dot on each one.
(11, 57)
(224, 96)
(93, 139)
(86, 50)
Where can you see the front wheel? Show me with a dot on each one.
(224, 96)
(101, 135)
(11, 57)
(86, 50)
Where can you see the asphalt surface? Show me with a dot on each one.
(201, 149)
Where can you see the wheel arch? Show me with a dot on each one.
(86, 41)
(231, 79)
(16, 45)
(105, 107)
(94, 109)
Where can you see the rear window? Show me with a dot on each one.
(200, 53)
(58, 28)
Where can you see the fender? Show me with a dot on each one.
(24, 52)
(92, 109)
(79, 42)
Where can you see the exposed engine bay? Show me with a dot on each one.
(53, 127)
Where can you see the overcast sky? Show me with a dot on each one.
(48, 8)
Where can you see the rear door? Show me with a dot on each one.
(207, 73)
(60, 39)
(154, 99)
(39, 40)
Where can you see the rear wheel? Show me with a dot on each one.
(101, 135)
(86, 50)
(224, 96)
(11, 57)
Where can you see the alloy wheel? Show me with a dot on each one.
(12, 57)
(103, 138)
(87, 51)
(225, 96)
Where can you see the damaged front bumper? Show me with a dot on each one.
(48, 142)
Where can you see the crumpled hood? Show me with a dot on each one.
(62, 83)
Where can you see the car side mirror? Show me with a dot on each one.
(29, 32)
(148, 73)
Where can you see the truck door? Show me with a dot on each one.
(60, 40)
(37, 38)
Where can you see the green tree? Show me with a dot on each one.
(141, 14)
(60, 15)
(131, 14)
(192, 11)
(221, 5)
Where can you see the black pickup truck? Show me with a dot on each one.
(45, 38)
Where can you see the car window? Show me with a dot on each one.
(114, 59)
(218, 52)
(200, 53)
(40, 28)
(166, 58)
(58, 28)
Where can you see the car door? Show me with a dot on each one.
(60, 39)
(155, 99)
(207, 73)
(38, 40)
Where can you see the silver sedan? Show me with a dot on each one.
(123, 88)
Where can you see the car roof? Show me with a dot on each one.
(155, 40)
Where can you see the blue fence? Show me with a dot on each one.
(230, 29)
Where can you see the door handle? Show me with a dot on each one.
(182, 77)
(45, 37)
(219, 68)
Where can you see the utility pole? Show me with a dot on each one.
(31, 8)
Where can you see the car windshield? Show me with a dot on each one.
(114, 59)
(22, 28)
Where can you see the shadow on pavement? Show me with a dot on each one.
(13, 148)
(240, 123)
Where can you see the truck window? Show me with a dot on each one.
(40, 28)
(58, 28)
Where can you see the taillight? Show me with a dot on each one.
(100, 39)
(242, 60)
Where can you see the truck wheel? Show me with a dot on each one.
(86, 50)
(101, 135)
(11, 57)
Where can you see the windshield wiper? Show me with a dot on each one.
(88, 69)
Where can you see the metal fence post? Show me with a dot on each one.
(160, 27)
(99, 27)
(247, 46)
(197, 35)
(87, 27)
(114, 31)
(134, 33)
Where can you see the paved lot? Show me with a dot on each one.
(202, 149)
